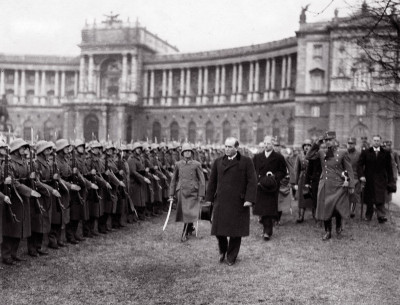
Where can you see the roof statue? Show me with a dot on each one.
(111, 19)
(303, 16)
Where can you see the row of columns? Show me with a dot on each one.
(253, 93)
(90, 83)
(40, 86)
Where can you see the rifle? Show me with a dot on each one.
(123, 192)
(60, 206)
(94, 194)
(7, 190)
(75, 178)
(38, 207)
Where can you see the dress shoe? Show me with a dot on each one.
(42, 252)
(33, 253)
(368, 218)
(61, 244)
(327, 236)
(8, 261)
(221, 257)
(339, 230)
(19, 259)
(54, 246)
(184, 238)
(266, 237)
(382, 219)
(230, 263)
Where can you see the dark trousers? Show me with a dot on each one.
(380, 210)
(9, 247)
(102, 226)
(35, 242)
(55, 234)
(268, 223)
(231, 247)
(71, 228)
(88, 226)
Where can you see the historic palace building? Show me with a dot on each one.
(129, 84)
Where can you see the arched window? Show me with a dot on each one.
(317, 80)
(259, 132)
(174, 130)
(291, 131)
(226, 130)
(209, 132)
(156, 131)
(91, 127)
(192, 132)
(48, 130)
(243, 132)
(27, 131)
(275, 128)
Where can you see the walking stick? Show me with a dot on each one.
(362, 200)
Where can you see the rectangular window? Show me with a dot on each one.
(315, 111)
(317, 50)
(361, 109)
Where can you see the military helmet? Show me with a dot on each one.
(17, 144)
(79, 142)
(61, 144)
(108, 145)
(42, 145)
(306, 142)
(186, 147)
(329, 135)
(154, 146)
(137, 145)
(96, 144)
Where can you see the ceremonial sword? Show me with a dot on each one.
(171, 200)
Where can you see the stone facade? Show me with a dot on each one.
(129, 84)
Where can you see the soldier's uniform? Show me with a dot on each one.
(41, 223)
(13, 232)
(138, 186)
(355, 197)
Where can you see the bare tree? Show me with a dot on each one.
(378, 39)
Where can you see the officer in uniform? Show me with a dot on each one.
(336, 182)
(354, 155)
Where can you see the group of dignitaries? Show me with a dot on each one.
(50, 188)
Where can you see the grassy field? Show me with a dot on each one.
(142, 265)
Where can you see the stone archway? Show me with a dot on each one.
(91, 127)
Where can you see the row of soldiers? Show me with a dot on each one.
(51, 188)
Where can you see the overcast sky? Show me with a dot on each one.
(54, 26)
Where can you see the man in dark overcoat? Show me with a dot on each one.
(375, 169)
(232, 190)
(272, 163)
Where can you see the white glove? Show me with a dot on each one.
(75, 187)
(56, 193)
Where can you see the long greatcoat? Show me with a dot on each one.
(188, 185)
(96, 202)
(267, 202)
(137, 186)
(378, 173)
(232, 182)
(20, 198)
(41, 223)
(331, 193)
(301, 166)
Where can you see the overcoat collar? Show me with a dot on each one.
(42, 161)
(230, 163)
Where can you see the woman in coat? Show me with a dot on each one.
(303, 193)
(335, 184)
(232, 190)
(188, 186)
